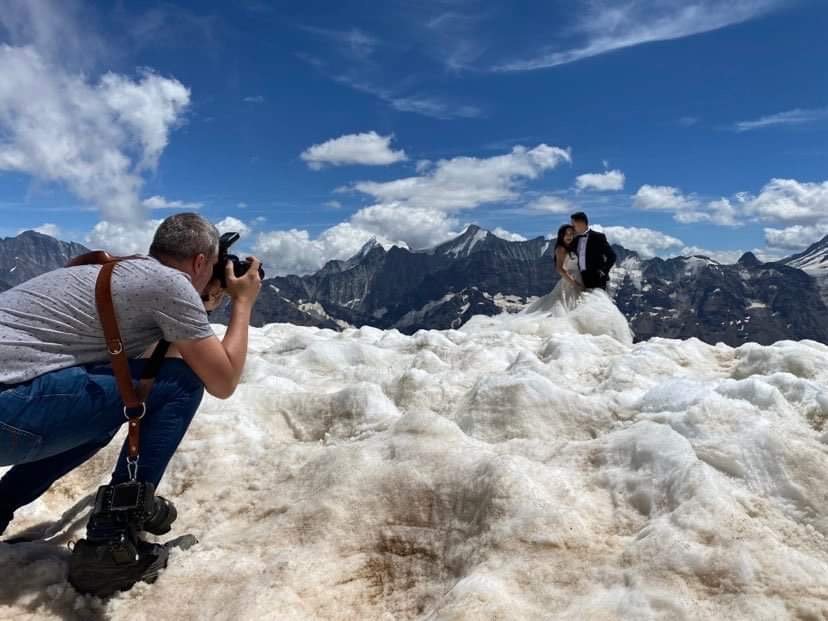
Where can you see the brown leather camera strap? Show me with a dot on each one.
(134, 399)
(134, 406)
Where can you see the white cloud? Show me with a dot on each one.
(416, 227)
(333, 204)
(467, 182)
(233, 224)
(687, 209)
(294, 252)
(795, 238)
(241, 205)
(789, 200)
(159, 202)
(662, 198)
(797, 116)
(550, 204)
(97, 138)
(508, 235)
(122, 238)
(723, 213)
(368, 149)
(608, 25)
(646, 242)
(254, 99)
(608, 181)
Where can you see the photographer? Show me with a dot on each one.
(60, 401)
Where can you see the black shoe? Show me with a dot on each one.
(103, 569)
(160, 522)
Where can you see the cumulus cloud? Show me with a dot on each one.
(96, 137)
(609, 25)
(550, 204)
(796, 237)
(687, 209)
(233, 224)
(467, 182)
(789, 200)
(369, 149)
(797, 116)
(609, 181)
(416, 227)
(662, 198)
(122, 237)
(295, 252)
(647, 242)
(159, 202)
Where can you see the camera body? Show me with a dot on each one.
(134, 500)
(240, 267)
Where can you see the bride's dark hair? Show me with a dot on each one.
(560, 241)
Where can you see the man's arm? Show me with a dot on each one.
(609, 254)
(219, 364)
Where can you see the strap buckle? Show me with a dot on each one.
(139, 417)
(117, 349)
(132, 467)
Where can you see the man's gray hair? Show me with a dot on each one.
(183, 236)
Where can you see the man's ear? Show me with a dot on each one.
(198, 262)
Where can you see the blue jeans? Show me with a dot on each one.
(52, 424)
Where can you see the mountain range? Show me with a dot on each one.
(480, 273)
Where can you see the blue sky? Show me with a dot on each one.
(679, 126)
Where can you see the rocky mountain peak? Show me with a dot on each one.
(749, 260)
(464, 244)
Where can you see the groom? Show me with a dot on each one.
(595, 256)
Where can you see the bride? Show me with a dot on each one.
(567, 293)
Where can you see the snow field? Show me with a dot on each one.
(523, 467)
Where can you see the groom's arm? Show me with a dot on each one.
(609, 254)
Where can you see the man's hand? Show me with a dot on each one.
(247, 287)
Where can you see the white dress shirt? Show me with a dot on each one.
(582, 242)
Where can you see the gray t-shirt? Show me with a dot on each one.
(51, 322)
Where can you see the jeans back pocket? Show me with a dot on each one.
(16, 445)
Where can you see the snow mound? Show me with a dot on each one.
(524, 467)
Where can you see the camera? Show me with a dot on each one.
(239, 267)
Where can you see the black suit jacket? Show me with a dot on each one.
(600, 257)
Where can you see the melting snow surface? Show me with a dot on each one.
(525, 466)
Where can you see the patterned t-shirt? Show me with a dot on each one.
(51, 322)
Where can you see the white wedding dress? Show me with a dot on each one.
(565, 296)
